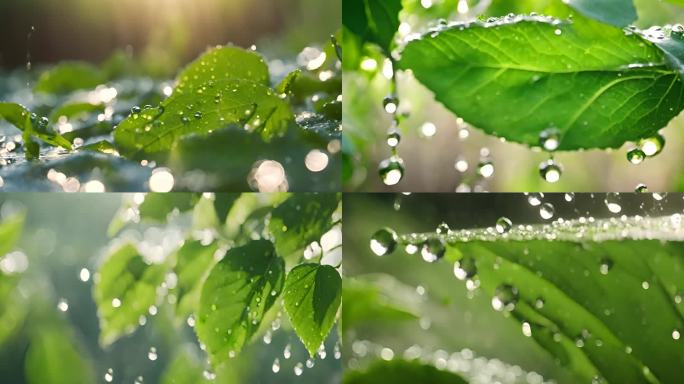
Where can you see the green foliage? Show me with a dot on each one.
(185, 368)
(373, 21)
(623, 334)
(313, 294)
(616, 12)
(157, 206)
(193, 261)
(596, 85)
(53, 358)
(31, 126)
(300, 220)
(401, 372)
(236, 295)
(126, 289)
(68, 77)
(10, 231)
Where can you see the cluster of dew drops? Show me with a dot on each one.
(432, 248)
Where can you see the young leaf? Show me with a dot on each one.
(193, 260)
(20, 117)
(68, 77)
(605, 309)
(301, 219)
(374, 21)
(126, 289)
(401, 372)
(313, 294)
(616, 12)
(53, 358)
(235, 296)
(596, 85)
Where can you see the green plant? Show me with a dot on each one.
(223, 123)
(576, 77)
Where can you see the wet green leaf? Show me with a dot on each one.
(598, 86)
(313, 294)
(374, 21)
(607, 310)
(20, 117)
(302, 219)
(239, 290)
(193, 261)
(54, 358)
(124, 292)
(223, 63)
(69, 76)
(401, 372)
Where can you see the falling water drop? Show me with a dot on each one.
(549, 139)
(390, 103)
(546, 211)
(535, 199)
(612, 202)
(152, 354)
(298, 369)
(276, 365)
(550, 171)
(393, 138)
(391, 170)
(485, 168)
(653, 145)
(636, 156)
(641, 188)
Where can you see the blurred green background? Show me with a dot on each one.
(64, 234)
(430, 158)
(164, 33)
(449, 317)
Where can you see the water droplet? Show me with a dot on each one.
(152, 354)
(185, 119)
(465, 268)
(641, 188)
(136, 110)
(546, 211)
(535, 199)
(198, 115)
(653, 145)
(298, 369)
(383, 242)
(677, 31)
(393, 139)
(505, 298)
(287, 352)
(570, 197)
(276, 365)
(485, 168)
(549, 139)
(550, 171)
(390, 103)
(391, 170)
(63, 305)
(612, 202)
(443, 229)
(636, 156)
(139, 380)
(675, 334)
(606, 266)
(433, 249)
(109, 375)
(503, 225)
(557, 32)
(43, 122)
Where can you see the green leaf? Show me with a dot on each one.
(607, 308)
(68, 77)
(10, 232)
(375, 21)
(102, 146)
(204, 214)
(401, 372)
(594, 84)
(223, 203)
(193, 260)
(239, 290)
(20, 117)
(616, 12)
(285, 86)
(124, 292)
(158, 206)
(313, 294)
(223, 63)
(301, 220)
(53, 358)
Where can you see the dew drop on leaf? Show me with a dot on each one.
(652, 146)
(443, 229)
(383, 242)
(390, 103)
(549, 139)
(606, 266)
(465, 268)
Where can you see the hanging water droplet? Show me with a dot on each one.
(636, 156)
(433, 249)
(384, 241)
(503, 225)
(393, 138)
(391, 170)
(677, 31)
(546, 211)
(612, 202)
(309, 363)
(390, 103)
(505, 298)
(443, 229)
(549, 139)
(485, 168)
(606, 266)
(550, 171)
(641, 188)
(287, 352)
(653, 145)
(465, 268)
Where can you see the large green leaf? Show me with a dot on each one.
(223, 87)
(236, 295)
(313, 294)
(616, 12)
(374, 21)
(401, 372)
(124, 291)
(53, 358)
(302, 219)
(68, 77)
(193, 260)
(603, 298)
(598, 86)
